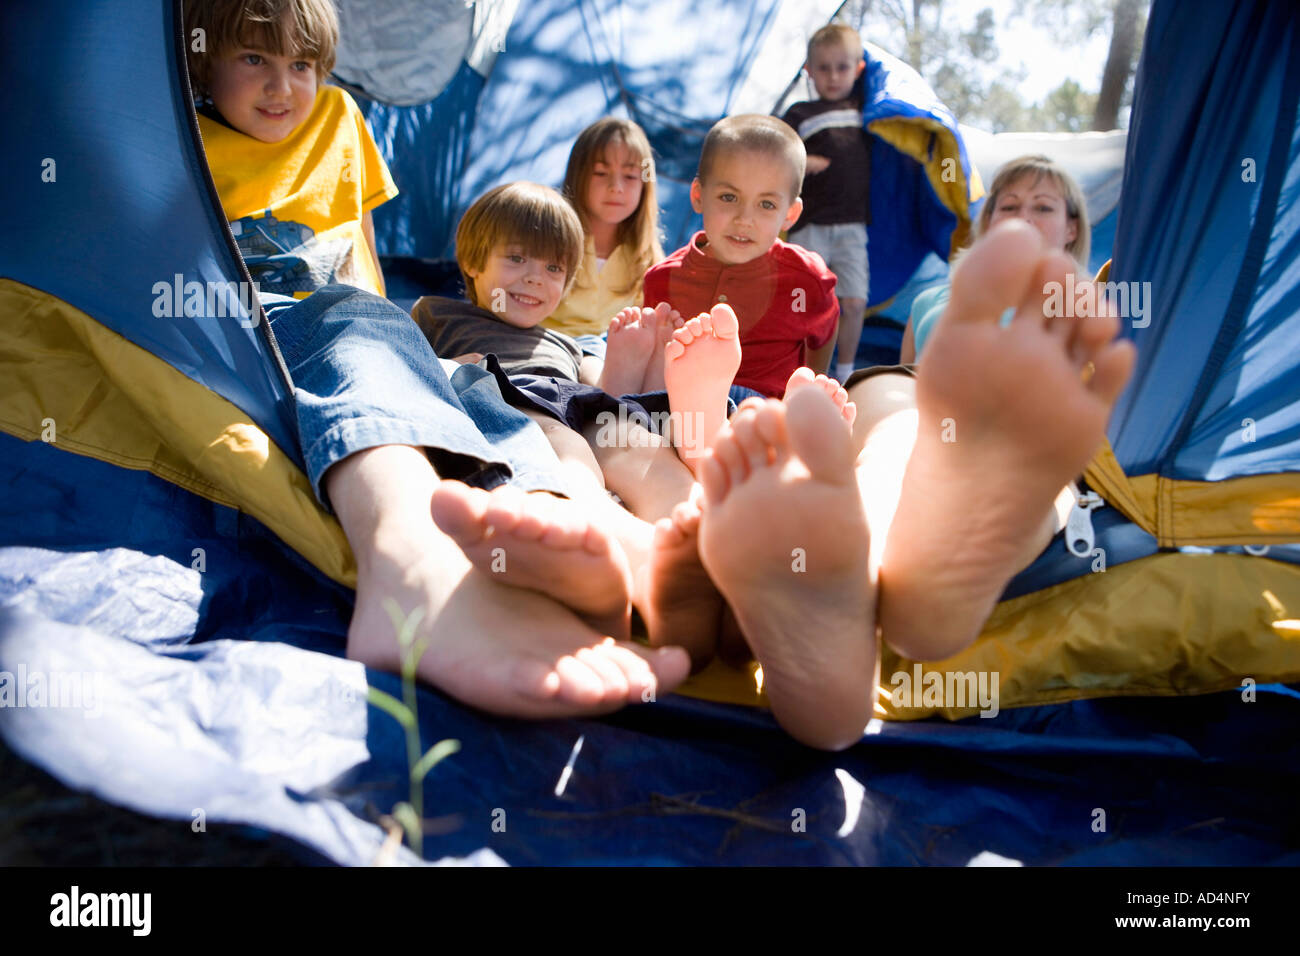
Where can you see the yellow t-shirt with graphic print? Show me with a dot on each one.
(296, 206)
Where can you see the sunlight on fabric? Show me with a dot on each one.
(853, 794)
(989, 858)
(568, 767)
(1285, 625)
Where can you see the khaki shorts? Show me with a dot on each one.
(844, 247)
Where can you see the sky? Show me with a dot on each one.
(1021, 43)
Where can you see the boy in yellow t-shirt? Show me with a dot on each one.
(294, 164)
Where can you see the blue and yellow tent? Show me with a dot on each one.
(161, 553)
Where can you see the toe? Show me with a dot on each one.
(744, 431)
(1113, 365)
(458, 510)
(578, 683)
(686, 517)
(674, 349)
(818, 436)
(638, 676)
(798, 378)
(770, 422)
(729, 454)
(667, 533)
(724, 321)
(1092, 332)
(714, 480)
(1049, 282)
(996, 274)
(612, 679)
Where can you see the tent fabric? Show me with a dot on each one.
(402, 53)
(123, 155)
(208, 620)
(234, 674)
(94, 393)
(568, 64)
(1218, 251)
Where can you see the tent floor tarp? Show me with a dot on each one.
(258, 720)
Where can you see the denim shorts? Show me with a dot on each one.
(364, 375)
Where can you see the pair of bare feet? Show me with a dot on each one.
(780, 534)
(634, 349)
(695, 361)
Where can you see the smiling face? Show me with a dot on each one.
(745, 203)
(1041, 203)
(614, 188)
(834, 68)
(518, 288)
(263, 95)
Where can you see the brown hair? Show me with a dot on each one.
(639, 231)
(755, 133)
(1038, 167)
(306, 28)
(536, 217)
(836, 33)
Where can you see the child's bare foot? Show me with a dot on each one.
(629, 345)
(804, 376)
(682, 606)
(502, 649)
(1005, 421)
(666, 320)
(541, 543)
(784, 536)
(700, 363)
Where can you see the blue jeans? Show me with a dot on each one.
(364, 375)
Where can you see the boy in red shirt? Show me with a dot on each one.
(751, 172)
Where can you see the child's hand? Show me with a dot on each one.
(817, 164)
(469, 358)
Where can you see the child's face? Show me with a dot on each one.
(1039, 203)
(261, 94)
(518, 288)
(614, 190)
(746, 203)
(834, 68)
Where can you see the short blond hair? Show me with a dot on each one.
(755, 133)
(306, 28)
(533, 216)
(1038, 167)
(840, 34)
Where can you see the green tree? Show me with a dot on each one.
(1068, 109)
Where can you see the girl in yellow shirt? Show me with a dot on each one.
(611, 183)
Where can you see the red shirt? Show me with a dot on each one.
(785, 300)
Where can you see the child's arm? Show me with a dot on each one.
(820, 359)
(368, 227)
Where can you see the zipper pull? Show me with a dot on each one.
(1079, 538)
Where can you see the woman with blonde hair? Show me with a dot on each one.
(1032, 188)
